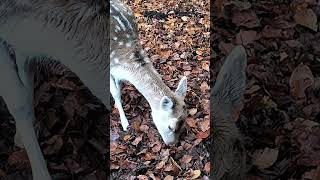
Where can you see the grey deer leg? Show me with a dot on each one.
(228, 150)
(18, 98)
(115, 89)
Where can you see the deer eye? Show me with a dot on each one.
(170, 128)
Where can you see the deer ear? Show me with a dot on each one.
(166, 103)
(182, 87)
(231, 80)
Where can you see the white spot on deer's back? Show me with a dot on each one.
(112, 54)
(131, 56)
(128, 44)
(120, 22)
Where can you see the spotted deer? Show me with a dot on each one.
(228, 154)
(129, 62)
(75, 34)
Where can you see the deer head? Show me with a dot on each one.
(170, 115)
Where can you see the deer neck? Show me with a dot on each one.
(150, 85)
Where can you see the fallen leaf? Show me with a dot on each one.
(186, 159)
(157, 147)
(160, 165)
(142, 177)
(136, 126)
(53, 145)
(203, 135)
(168, 177)
(144, 128)
(126, 137)
(175, 165)
(204, 87)
(307, 18)
(246, 37)
(207, 167)
(19, 159)
(265, 158)
(191, 122)
(246, 18)
(301, 78)
(204, 125)
(185, 18)
(193, 111)
(137, 140)
(196, 174)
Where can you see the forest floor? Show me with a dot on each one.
(175, 35)
(73, 132)
(281, 116)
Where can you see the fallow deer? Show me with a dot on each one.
(76, 33)
(129, 62)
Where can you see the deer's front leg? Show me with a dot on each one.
(18, 97)
(115, 89)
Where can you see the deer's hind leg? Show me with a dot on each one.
(115, 89)
(18, 96)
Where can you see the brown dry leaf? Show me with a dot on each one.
(157, 147)
(271, 32)
(175, 165)
(19, 159)
(195, 174)
(144, 128)
(186, 159)
(160, 164)
(114, 166)
(204, 87)
(165, 54)
(53, 145)
(136, 126)
(301, 78)
(246, 37)
(191, 122)
(52, 118)
(205, 66)
(142, 177)
(203, 135)
(193, 111)
(207, 167)
(185, 18)
(307, 18)
(246, 18)
(126, 137)
(264, 158)
(151, 175)
(204, 125)
(137, 140)
(253, 89)
(168, 177)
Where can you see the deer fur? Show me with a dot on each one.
(229, 158)
(75, 33)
